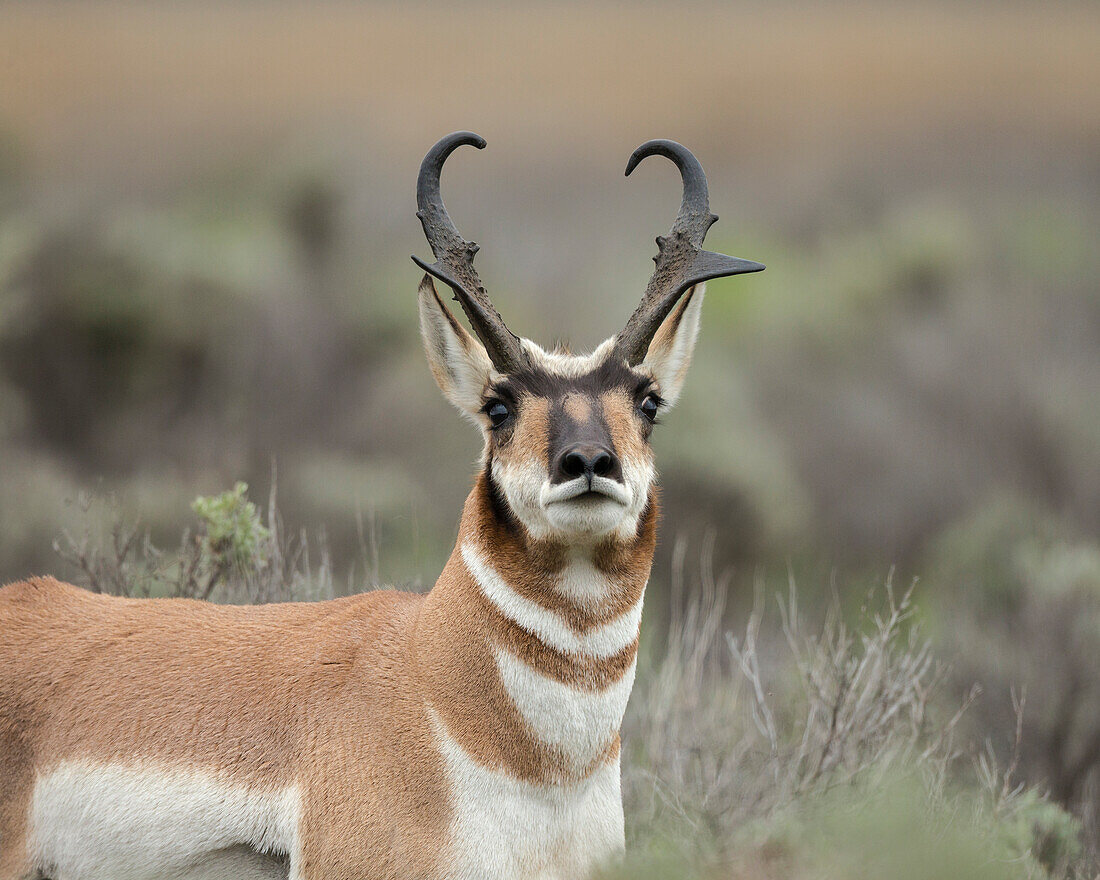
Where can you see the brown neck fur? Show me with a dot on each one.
(459, 629)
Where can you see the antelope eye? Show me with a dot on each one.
(498, 413)
(648, 407)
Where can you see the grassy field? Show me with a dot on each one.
(797, 746)
(206, 214)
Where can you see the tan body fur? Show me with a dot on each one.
(260, 694)
(331, 698)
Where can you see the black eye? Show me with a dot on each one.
(649, 406)
(498, 413)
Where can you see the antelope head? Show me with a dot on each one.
(567, 452)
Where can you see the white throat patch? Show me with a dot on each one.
(547, 626)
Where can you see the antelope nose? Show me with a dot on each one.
(588, 461)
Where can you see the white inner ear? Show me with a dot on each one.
(458, 361)
(669, 354)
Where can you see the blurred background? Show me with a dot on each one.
(207, 212)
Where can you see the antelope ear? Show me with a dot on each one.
(458, 360)
(669, 354)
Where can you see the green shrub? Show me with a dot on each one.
(234, 535)
(232, 556)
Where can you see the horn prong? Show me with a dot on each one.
(681, 260)
(454, 257)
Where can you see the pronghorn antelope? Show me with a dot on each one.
(472, 732)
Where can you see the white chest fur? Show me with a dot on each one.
(506, 828)
(578, 723)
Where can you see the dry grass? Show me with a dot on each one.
(785, 752)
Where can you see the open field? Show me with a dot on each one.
(206, 213)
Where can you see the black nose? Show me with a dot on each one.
(588, 461)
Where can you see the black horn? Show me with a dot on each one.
(681, 260)
(454, 257)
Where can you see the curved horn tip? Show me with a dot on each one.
(432, 164)
(673, 150)
(463, 139)
(439, 229)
